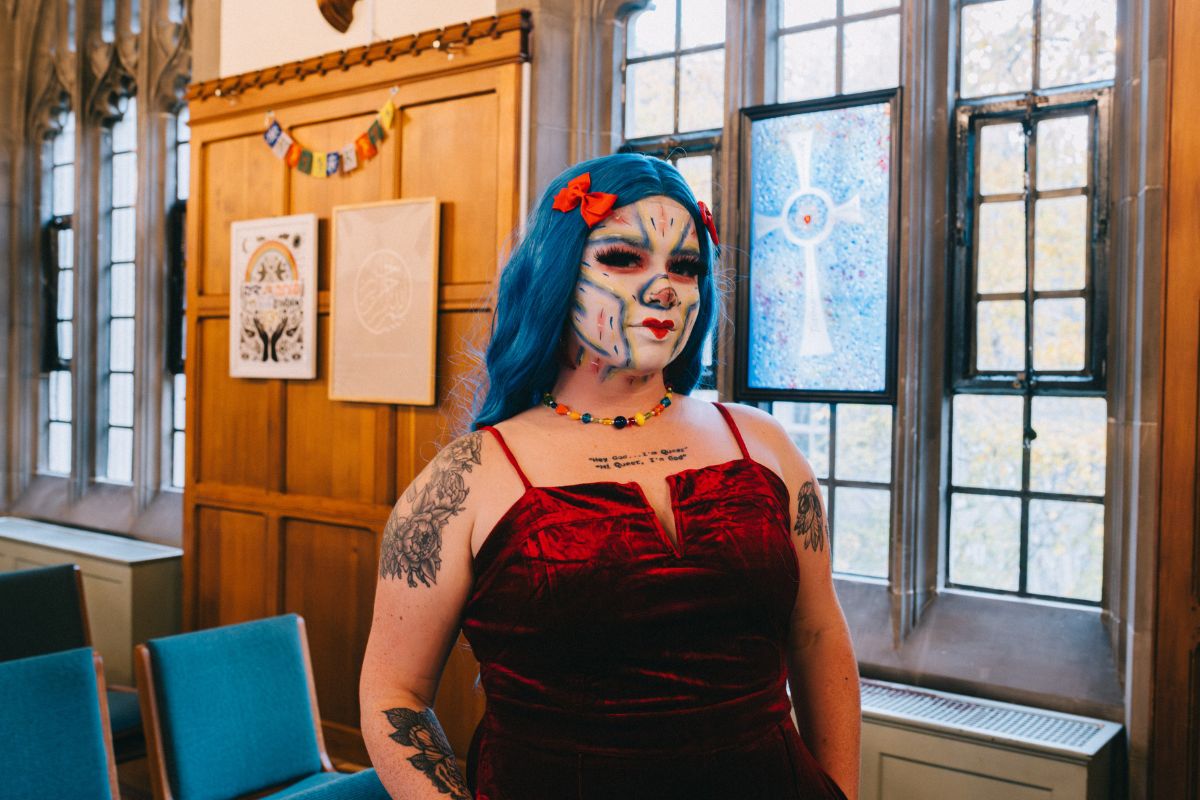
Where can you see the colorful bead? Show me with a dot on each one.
(586, 418)
(561, 408)
(574, 415)
(658, 409)
(640, 419)
(619, 422)
(666, 401)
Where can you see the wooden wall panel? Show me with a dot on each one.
(233, 447)
(236, 567)
(239, 179)
(338, 456)
(329, 576)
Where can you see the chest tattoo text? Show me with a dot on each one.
(639, 458)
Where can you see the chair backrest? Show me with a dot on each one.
(41, 611)
(54, 734)
(230, 711)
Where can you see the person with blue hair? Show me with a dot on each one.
(641, 574)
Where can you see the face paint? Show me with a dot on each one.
(638, 292)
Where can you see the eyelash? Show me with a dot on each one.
(622, 258)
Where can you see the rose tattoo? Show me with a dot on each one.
(810, 521)
(412, 544)
(434, 755)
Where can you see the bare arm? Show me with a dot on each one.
(424, 581)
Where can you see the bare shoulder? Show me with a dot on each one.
(767, 439)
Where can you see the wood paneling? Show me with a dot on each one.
(239, 419)
(236, 569)
(239, 179)
(329, 579)
(286, 492)
(1175, 746)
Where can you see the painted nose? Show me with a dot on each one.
(661, 294)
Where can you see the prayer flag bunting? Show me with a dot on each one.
(327, 164)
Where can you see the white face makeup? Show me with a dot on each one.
(638, 292)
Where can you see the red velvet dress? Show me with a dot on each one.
(618, 665)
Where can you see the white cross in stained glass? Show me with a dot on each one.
(807, 218)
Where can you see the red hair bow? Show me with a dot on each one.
(707, 218)
(593, 206)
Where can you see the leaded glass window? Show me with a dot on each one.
(177, 319)
(832, 47)
(118, 379)
(58, 305)
(1028, 412)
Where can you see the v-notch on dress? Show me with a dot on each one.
(618, 664)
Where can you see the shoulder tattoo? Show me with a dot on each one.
(412, 543)
(810, 520)
(434, 756)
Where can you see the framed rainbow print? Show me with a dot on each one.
(818, 195)
(273, 297)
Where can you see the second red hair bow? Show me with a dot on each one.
(707, 218)
(593, 206)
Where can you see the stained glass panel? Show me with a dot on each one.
(820, 250)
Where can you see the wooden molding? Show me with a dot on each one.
(462, 34)
(338, 13)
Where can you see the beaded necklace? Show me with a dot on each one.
(562, 409)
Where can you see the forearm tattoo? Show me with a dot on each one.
(810, 521)
(412, 544)
(434, 755)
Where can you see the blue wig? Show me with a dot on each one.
(538, 282)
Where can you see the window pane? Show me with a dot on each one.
(66, 341)
(997, 48)
(183, 131)
(986, 447)
(179, 397)
(1001, 159)
(58, 459)
(64, 142)
(653, 30)
(697, 171)
(649, 98)
(1058, 330)
(183, 171)
(860, 541)
(66, 248)
(863, 6)
(121, 345)
(60, 395)
(702, 90)
(177, 453)
(703, 23)
(1066, 549)
(985, 541)
(120, 455)
(1079, 41)
(808, 62)
(871, 54)
(122, 234)
(808, 426)
(124, 179)
(124, 132)
(64, 190)
(1062, 151)
(120, 399)
(1068, 455)
(66, 289)
(804, 12)
(1000, 336)
(1000, 265)
(1060, 243)
(121, 283)
(864, 443)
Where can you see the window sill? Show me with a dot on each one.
(107, 507)
(1054, 657)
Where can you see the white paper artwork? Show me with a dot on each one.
(273, 297)
(383, 305)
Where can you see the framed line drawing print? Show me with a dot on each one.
(383, 302)
(819, 193)
(273, 297)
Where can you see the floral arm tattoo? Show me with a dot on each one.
(810, 521)
(434, 755)
(412, 544)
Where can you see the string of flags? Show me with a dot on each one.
(327, 164)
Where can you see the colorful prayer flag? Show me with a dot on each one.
(318, 165)
(306, 161)
(332, 163)
(365, 147)
(387, 113)
(273, 133)
(282, 145)
(349, 159)
(375, 132)
(293, 155)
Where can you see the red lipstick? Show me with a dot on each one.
(660, 327)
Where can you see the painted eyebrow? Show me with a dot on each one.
(617, 238)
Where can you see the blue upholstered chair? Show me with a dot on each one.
(54, 735)
(232, 711)
(42, 611)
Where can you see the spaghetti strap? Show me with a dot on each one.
(511, 458)
(732, 427)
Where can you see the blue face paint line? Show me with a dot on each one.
(645, 233)
(582, 323)
(641, 292)
(681, 246)
(620, 238)
(686, 333)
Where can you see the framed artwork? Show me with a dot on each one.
(383, 303)
(819, 192)
(273, 297)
